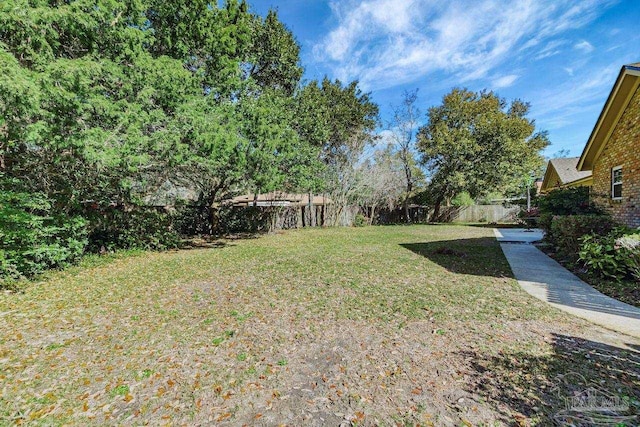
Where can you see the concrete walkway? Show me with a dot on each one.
(547, 280)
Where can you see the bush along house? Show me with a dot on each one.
(612, 152)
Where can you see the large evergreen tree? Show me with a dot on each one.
(98, 96)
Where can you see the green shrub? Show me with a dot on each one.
(544, 222)
(602, 256)
(34, 238)
(135, 228)
(566, 232)
(463, 199)
(565, 201)
(193, 220)
(629, 245)
(360, 220)
(250, 219)
(568, 201)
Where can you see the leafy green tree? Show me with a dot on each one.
(275, 56)
(462, 199)
(476, 142)
(105, 101)
(340, 119)
(96, 95)
(74, 66)
(19, 106)
(277, 158)
(204, 149)
(212, 41)
(39, 31)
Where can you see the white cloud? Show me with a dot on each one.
(584, 46)
(552, 48)
(504, 81)
(386, 16)
(385, 43)
(555, 107)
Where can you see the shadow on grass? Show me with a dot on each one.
(480, 256)
(217, 242)
(203, 244)
(578, 383)
(495, 225)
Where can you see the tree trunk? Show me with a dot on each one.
(208, 213)
(436, 209)
(407, 217)
(312, 211)
(305, 220)
(409, 178)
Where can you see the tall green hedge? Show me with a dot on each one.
(33, 237)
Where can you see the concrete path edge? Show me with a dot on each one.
(545, 279)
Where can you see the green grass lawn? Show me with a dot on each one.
(375, 325)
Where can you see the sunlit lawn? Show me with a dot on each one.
(415, 324)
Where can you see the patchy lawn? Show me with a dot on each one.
(377, 325)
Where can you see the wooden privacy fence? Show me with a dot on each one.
(330, 216)
(271, 218)
(311, 216)
(481, 213)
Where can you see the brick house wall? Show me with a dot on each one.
(622, 149)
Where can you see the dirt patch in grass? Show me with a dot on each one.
(367, 326)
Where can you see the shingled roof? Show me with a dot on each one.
(567, 171)
(562, 172)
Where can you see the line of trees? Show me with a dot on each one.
(104, 102)
(472, 145)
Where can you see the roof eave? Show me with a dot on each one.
(545, 180)
(599, 136)
(586, 181)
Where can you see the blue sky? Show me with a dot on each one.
(562, 56)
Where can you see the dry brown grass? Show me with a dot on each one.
(377, 325)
